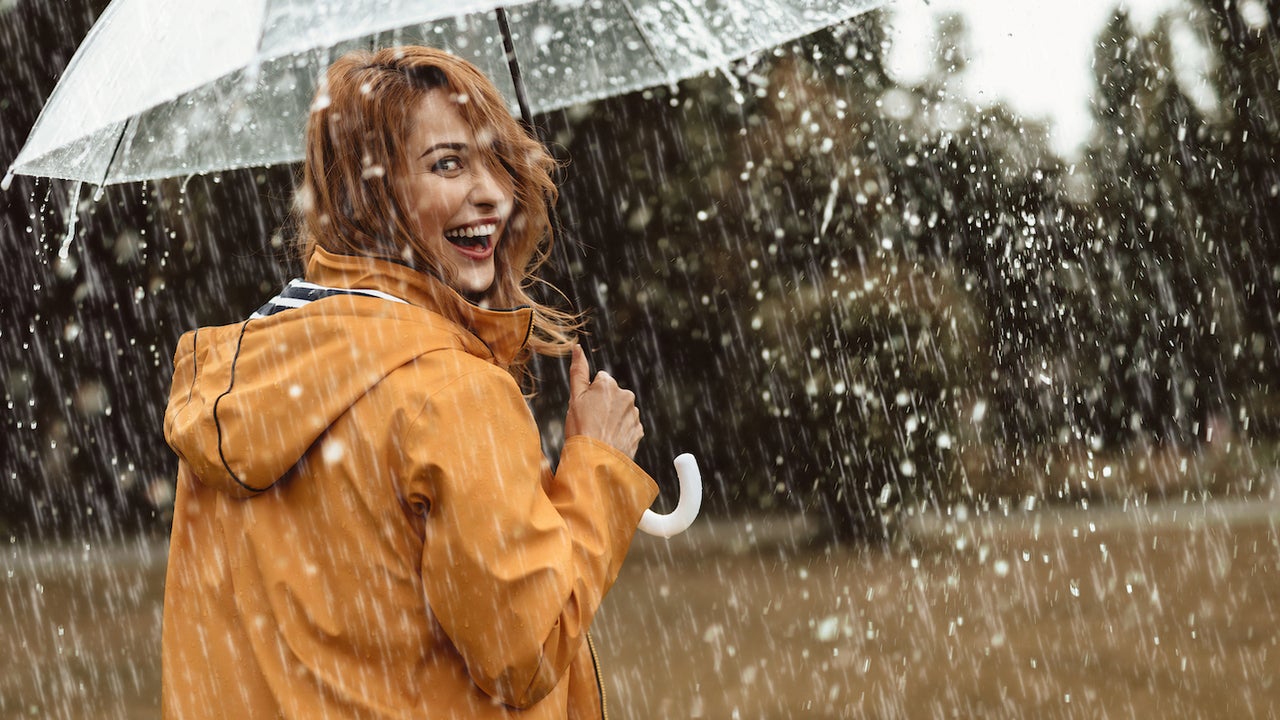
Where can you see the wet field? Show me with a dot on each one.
(1170, 611)
(1151, 613)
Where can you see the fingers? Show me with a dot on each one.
(605, 380)
(579, 372)
(600, 408)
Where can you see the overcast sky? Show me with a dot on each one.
(1036, 55)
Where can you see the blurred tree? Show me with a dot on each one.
(1189, 266)
(91, 316)
(790, 249)
(1240, 187)
(1161, 290)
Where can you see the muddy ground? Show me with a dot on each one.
(1170, 611)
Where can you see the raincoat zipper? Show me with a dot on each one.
(595, 663)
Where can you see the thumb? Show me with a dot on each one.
(579, 373)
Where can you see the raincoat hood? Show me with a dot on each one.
(249, 400)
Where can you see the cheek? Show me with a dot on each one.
(509, 200)
(432, 203)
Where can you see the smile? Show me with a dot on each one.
(473, 236)
(474, 242)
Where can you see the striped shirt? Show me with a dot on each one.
(298, 293)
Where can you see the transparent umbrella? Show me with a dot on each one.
(165, 88)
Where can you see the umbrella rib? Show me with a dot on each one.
(635, 20)
(262, 31)
(106, 172)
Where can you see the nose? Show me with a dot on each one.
(490, 190)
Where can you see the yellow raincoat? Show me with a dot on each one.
(365, 525)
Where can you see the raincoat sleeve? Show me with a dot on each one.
(515, 560)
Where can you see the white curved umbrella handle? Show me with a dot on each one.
(678, 520)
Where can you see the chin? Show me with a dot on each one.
(475, 289)
(477, 298)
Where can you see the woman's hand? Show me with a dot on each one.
(601, 409)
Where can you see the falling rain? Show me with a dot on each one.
(987, 411)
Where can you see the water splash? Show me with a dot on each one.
(72, 218)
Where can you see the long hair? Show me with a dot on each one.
(350, 202)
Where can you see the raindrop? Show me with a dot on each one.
(71, 217)
(886, 493)
(1254, 13)
(828, 629)
(333, 451)
(979, 411)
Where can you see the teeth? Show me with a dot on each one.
(473, 231)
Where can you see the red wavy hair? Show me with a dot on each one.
(349, 201)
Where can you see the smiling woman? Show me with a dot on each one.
(365, 525)
(460, 194)
(410, 145)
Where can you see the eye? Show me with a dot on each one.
(449, 166)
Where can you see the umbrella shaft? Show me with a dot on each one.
(514, 65)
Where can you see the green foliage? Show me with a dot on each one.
(851, 295)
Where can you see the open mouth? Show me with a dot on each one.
(476, 237)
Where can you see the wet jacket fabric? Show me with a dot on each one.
(365, 525)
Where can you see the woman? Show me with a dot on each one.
(365, 524)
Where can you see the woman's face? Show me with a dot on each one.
(461, 197)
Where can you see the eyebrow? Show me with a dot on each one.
(443, 146)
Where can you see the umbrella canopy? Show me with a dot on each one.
(164, 88)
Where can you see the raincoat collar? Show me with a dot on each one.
(503, 333)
